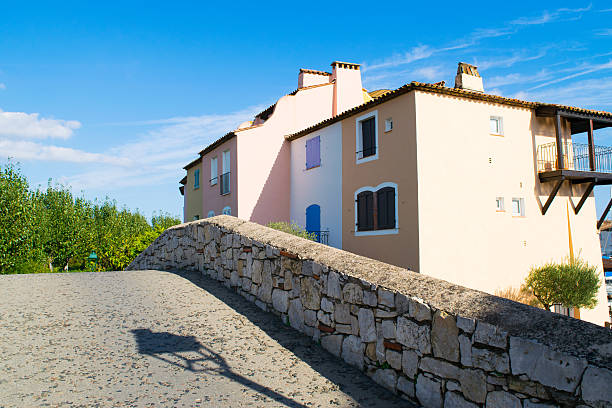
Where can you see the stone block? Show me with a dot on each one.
(327, 305)
(394, 359)
(265, 289)
(296, 314)
(439, 368)
(235, 279)
(344, 328)
(413, 336)
(402, 303)
(418, 310)
(307, 268)
(369, 298)
(310, 318)
(453, 386)
(352, 351)
(332, 343)
(490, 360)
(352, 293)
(490, 335)
(465, 347)
(597, 387)
(410, 363)
(388, 329)
(406, 386)
(342, 313)
(386, 297)
(310, 293)
(280, 300)
(371, 351)
(544, 365)
(473, 385)
(257, 269)
(333, 285)
(465, 324)
(387, 378)
(498, 399)
(367, 328)
(454, 400)
(429, 392)
(325, 318)
(444, 337)
(384, 314)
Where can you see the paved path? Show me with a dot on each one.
(160, 339)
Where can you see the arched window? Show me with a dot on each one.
(211, 213)
(227, 211)
(376, 209)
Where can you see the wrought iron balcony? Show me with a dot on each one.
(224, 183)
(321, 236)
(575, 157)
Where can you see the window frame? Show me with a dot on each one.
(196, 179)
(374, 190)
(521, 202)
(501, 208)
(500, 125)
(359, 137)
(214, 180)
(388, 125)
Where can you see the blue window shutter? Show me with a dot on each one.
(316, 151)
(308, 153)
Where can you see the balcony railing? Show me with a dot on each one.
(575, 157)
(321, 236)
(224, 183)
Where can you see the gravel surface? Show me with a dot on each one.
(151, 338)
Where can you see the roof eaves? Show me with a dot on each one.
(217, 143)
(193, 163)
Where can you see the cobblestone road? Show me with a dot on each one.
(160, 339)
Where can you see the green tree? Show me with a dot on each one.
(293, 228)
(16, 223)
(571, 283)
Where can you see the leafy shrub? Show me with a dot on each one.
(294, 229)
(571, 283)
(522, 295)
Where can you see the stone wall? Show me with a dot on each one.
(435, 343)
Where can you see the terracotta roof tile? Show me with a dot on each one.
(439, 89)
(314, 71)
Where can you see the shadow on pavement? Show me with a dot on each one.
(350, 380)
(164, 346)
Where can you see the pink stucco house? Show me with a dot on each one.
(246, 173)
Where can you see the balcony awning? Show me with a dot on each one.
(578, 118)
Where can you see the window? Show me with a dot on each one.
(365, 211)
(196, 179)
(388, 124)
(211, 213)
(196, 217)
(496, 125)
(385, 203)
(518, 207)
(313, 152)
(366, 134)
(227, 211)
(376, 210)
(499, 203)
(213, 171)
(225, 176)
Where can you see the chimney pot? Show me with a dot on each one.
(468, 78)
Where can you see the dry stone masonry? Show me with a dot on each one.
(434, 343)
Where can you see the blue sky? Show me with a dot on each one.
(114, 99)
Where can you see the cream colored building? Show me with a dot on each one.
(465, 186)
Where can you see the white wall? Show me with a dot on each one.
(321, 185)
(462, 237)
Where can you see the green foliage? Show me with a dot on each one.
(52, 227)
(293, 229)
(571, 283)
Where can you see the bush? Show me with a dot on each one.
(571, 283)
(293, 229)
(522, 295)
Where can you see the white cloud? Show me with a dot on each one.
(549, 17)
(514, 79)
(588, 93)
(156, 156)
(583, 70)
(415, 54)
(2, 86)
(507, 62)
(31, 126)
(604, 32)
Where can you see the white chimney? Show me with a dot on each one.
(310, 77)
(468, 78)
(348, 91)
